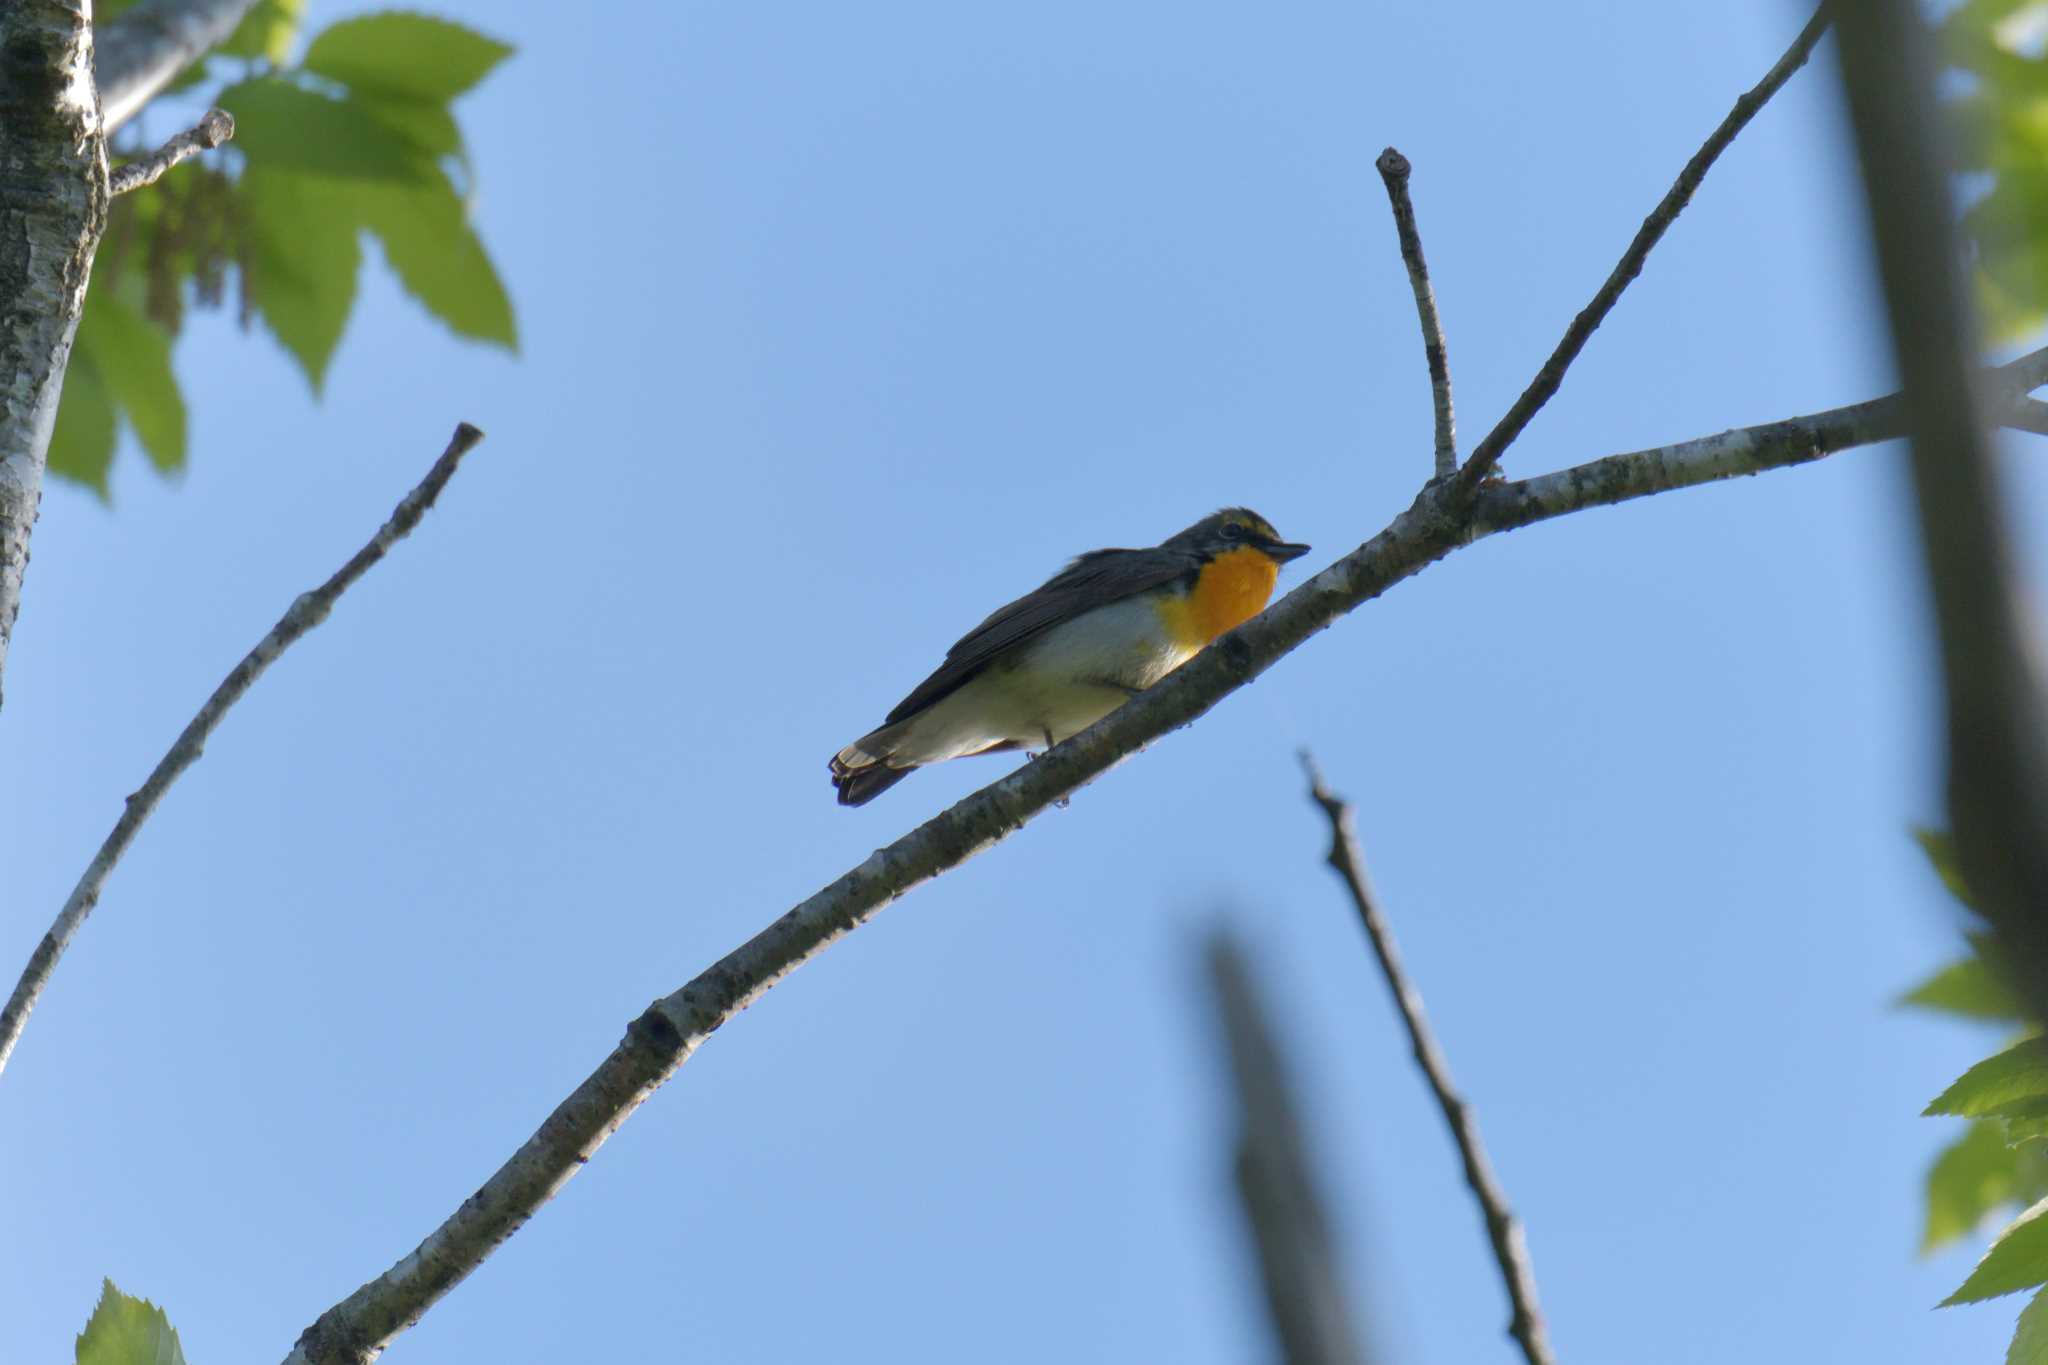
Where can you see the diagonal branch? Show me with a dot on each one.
(146, 48)
(1488, 452)
(215, 126)
(2029, 414)
(1992, 668)
(674, 1027)
(1395, 169)
(1503, 1229)
(1745, 450)
(308, 611)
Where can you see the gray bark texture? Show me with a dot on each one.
(53, 208)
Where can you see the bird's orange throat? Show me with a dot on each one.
(1231, 589)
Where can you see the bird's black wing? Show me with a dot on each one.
(1094, 580)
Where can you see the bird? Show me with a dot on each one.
(1063, 656)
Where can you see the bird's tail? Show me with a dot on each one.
(863, 770)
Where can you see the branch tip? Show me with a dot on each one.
(215, 127)
(1394, 170)
(306, 611)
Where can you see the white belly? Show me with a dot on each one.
(1058, 685)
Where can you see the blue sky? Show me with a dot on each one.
(841, 326)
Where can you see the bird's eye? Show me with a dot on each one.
(1232, 531)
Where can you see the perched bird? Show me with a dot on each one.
(1055, 661)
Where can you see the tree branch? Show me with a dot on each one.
(1488, 452)
(1276, 1182)
(1992, 670)
(1503, 1229)
(308, 611)
(148, 47)
(1745, 450)
(215, 126)
(2029, 414)
(1394, 169)
(665, 1036)
(53, 208)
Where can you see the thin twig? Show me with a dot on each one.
(1276, 1182)
(308, 611)
(1488, 452)
(1503, 1229)
(215, 126)
(1992, 670)
(1394, 169)
(671, 1030)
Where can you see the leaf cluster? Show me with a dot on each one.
(1998, 50)
(2001, 1160)
(356, 137)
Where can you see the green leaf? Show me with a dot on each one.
(1971, 987)
(128, 1331)
(303, 254)
(280, 125)
(82, 446)
(1940, 849)
(1999, 1085)
(132, 357)
(409, 55)
(2017, 1260)
(427, 239)
(2030, 1337)
(2012, 252)
(266, 31)
(1973, 1175)
(427, 126)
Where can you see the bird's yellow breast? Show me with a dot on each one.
(1231, 589)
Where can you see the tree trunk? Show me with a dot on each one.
(53, 207)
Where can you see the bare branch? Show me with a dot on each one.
(1992, 669)
(215, 126)
(1503, 1229)
(150, 45)
(308, 611)
(1745, 450)
(2028, 414)
(1276, 1182)
(1488, 452)
(665, 1036)
(1394, 169)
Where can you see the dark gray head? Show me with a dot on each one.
(1234, 528)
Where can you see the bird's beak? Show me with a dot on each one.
(1283, 550)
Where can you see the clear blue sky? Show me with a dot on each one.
(843, 324)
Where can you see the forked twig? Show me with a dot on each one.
(1488, 452)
